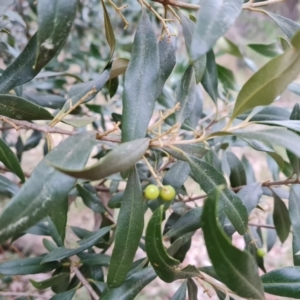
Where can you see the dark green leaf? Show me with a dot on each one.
(294, 160)
(283, 282)
(281, 219)
(138, 100)
(166, 267)
(55, 20)
(41, 285)
(237, 172)
(120, 159)
(94, 259)
(271, 233)
(167, 61)
(210, 179)
(68, 295)
(131, 286)
(129, 230)
(190, 150)
(227, 78)
(84, 92)
(210, 78)
(250, 195)
(269, 50)
(26, 266)
(266, 84)
(236, 268)
(213, 20)
(91, 200)
(45, 100)
(177, 174)
(62, 252)
(294, 213)
(186, 95)
(8, 158)
(45, 187)
(181, 292)
(188, 27)
(7, 187)
(20, 71)
(192, 289)
(21, 109)
(190, 221)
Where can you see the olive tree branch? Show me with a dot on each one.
(264, 184)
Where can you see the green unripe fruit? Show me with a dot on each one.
(167, 193)
(151, 192)
(261, 252)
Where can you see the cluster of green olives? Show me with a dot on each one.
(167, 193)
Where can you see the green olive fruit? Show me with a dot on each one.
(151, 192)
(167, 193)
(260, 252)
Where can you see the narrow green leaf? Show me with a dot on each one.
(181, 292)
(192, 289)
(188, 222)
(86, 243)
(236, 268)
(237, 172)
(190, 150)
(278, 136)
(8, 158)
(109, 31)
(294, 160)
(210, 78)
(273, 113)
(41, 285)
(188, 27)
(281, 219)
(21, 109)
(138, 99)
(177, 174)
(167, 61)
(20, 71)
(131, 286)
(45, 187)
(250, 195)
(85, 91)
(7, 187)
(294, 214)
(266, 84)
(120, 159)
(227, 78)
(269, 50)
(186, 95)
(55, 20)
(288, 26)
(93, 259)
(129, 230)
(26, 266)
(68, 295)
(213, 20)
(227, 46)
(283, 282)
(91, 200)
(166, 267)
(44, 100)
(210, 179)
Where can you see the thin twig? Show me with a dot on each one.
(262, 225)
(85, 283)
(265, 184)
